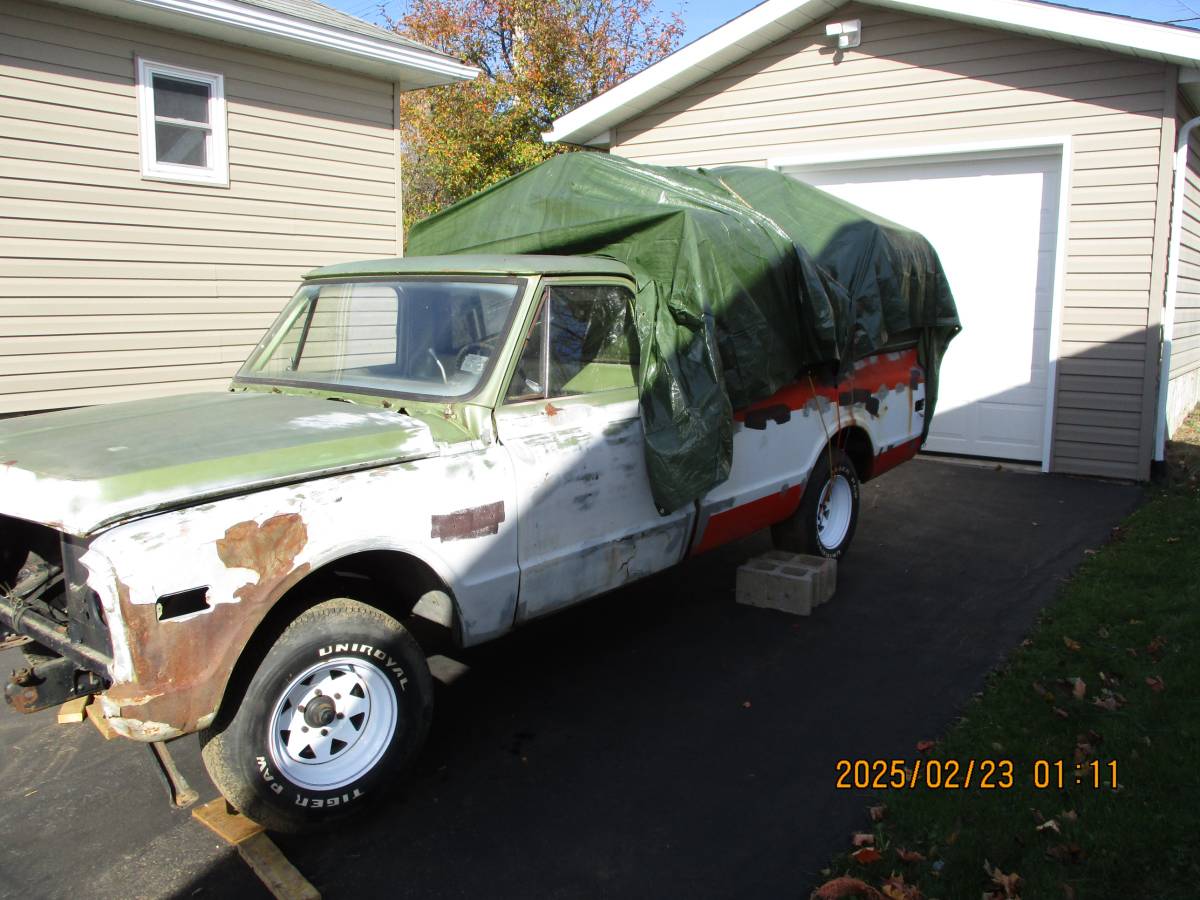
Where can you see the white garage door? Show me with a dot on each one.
(993, 222)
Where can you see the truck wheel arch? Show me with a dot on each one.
(856, 443)
(364, 575)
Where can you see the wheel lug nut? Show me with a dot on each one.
(304, 728)
(341, 715)
(337, 696)
(300, 708)
(324, 732)
(317, 692)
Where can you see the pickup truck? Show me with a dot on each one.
(453, 439)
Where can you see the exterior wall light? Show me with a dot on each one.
(849, 34)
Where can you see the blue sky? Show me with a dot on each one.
(702, 16)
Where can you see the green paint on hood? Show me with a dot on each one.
(83, 469)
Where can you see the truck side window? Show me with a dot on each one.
(592, 344)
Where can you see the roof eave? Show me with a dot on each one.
(773, 20)
(232, 22)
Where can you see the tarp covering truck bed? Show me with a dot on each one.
(746, 280)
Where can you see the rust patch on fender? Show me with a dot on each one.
(478, 521)
(269, 549)
(181, 669)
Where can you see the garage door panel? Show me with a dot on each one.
(994, 224)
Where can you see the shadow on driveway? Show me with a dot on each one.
(609, 751)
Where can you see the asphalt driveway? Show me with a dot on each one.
(663, 741)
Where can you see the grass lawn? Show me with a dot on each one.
(1111, 673)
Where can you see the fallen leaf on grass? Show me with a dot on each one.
(909, 855)
(1132, 652)
(925, 746)
(1069, 816)
(1050, 825)
(895, 888)
(1073, 646)
(1103, 632)
(1079, 688)
(1083, 750)
(1156, 684)
(1009, 884)
(1155, 647)
(866, 856)
(844, 887)
(1172, 540)
(862, 839)
(951, 838)
(877, 812)
(1061, 713)
(1068, 891)
(746, 704)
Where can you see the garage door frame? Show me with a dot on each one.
(933, 153)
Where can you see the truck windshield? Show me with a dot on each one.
(433, 338)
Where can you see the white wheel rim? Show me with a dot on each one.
(833, 512)
(333, 723)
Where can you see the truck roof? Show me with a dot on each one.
(476, 264)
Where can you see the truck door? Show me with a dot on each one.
(569, 420)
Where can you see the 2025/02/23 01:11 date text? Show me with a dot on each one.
(981, 774)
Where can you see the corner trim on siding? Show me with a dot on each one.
(397, 139)
(933, 152)
(1182, 152)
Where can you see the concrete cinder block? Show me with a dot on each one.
(790, 582)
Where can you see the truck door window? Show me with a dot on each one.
(591, 344)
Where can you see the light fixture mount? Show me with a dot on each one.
(849, 34)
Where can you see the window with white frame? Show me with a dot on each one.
(181, 119)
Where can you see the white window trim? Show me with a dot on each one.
(217, 171)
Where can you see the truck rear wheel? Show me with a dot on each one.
(824, 523)
(338, 708)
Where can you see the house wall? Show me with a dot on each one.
(1183, 390)
(113, 287)
(919, 81)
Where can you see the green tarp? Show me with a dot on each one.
(746, 278)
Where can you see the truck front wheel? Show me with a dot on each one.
(338, 708)
(824, 523)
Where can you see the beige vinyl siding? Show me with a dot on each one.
(114, 287)
(920, 82)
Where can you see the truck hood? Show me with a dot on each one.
(84, 469)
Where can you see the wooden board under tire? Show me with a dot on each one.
(73, 710)
(96, 714)
(279, 876)
(273, 870)
(226, 822)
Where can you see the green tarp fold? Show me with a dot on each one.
(746, 279)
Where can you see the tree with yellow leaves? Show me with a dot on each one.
(539, 59)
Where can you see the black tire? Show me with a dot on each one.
(801, 532)
(267, 775)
